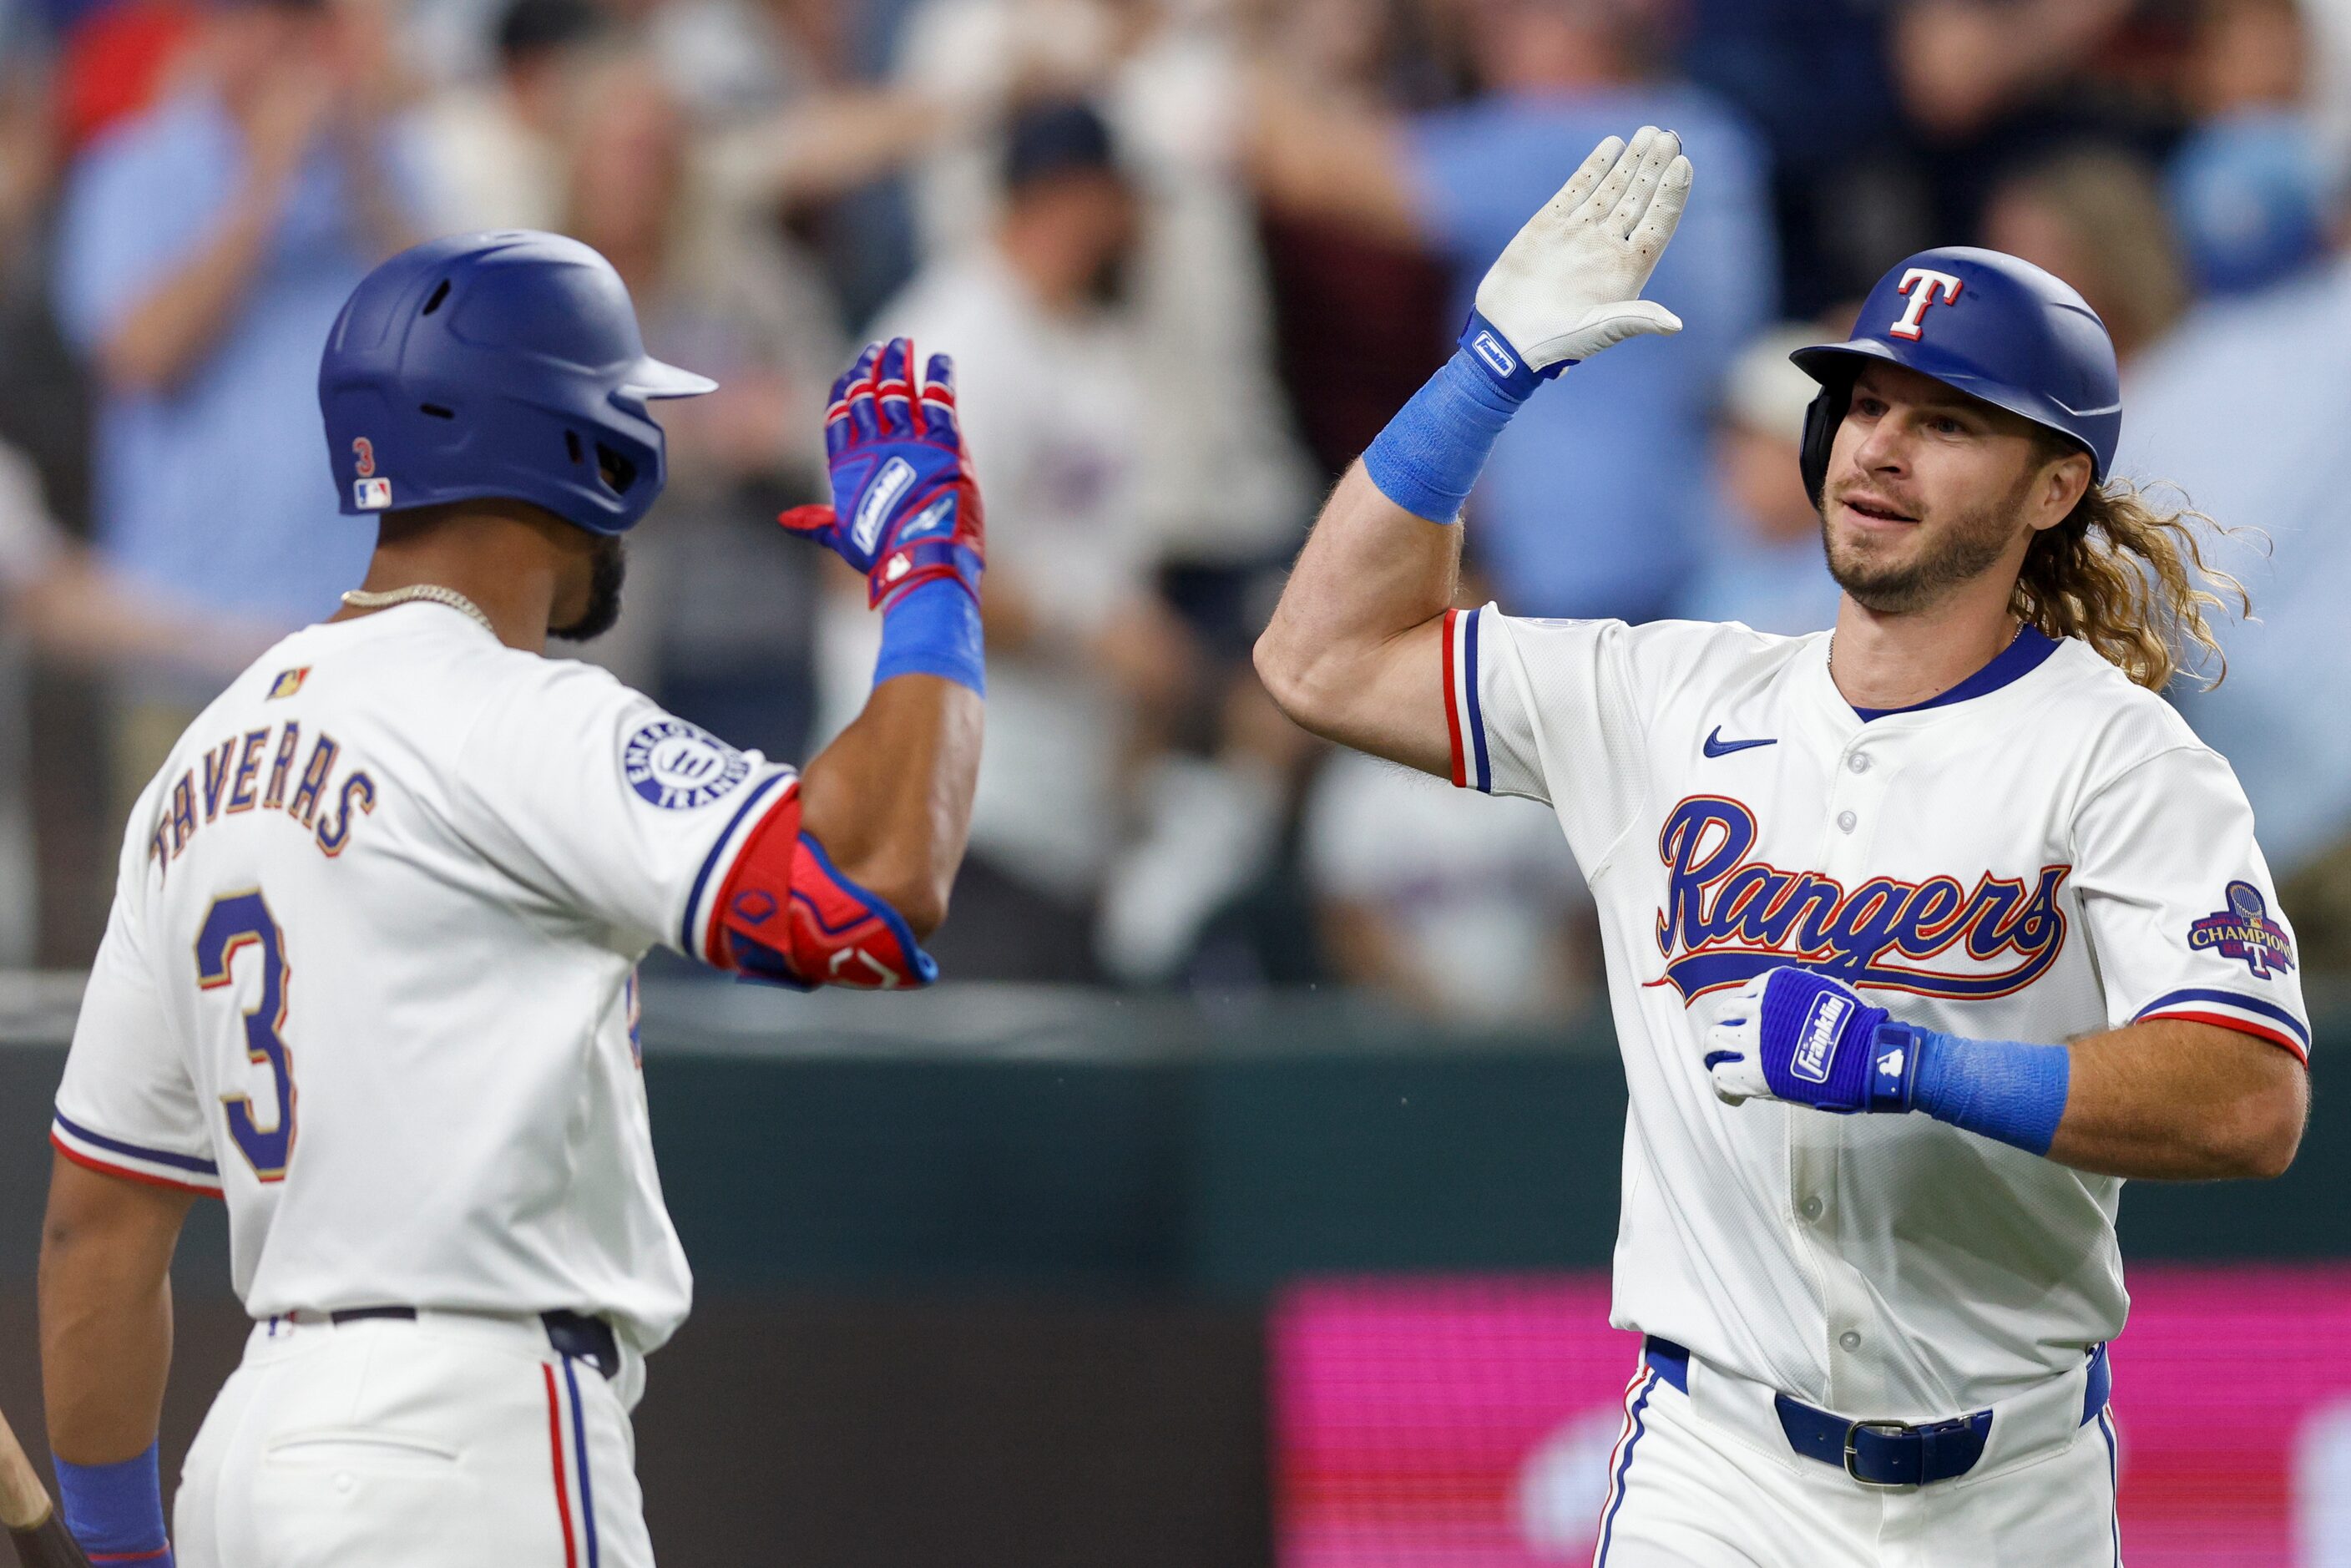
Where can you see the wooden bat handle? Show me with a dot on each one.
(34, 1527)
(23, 1500)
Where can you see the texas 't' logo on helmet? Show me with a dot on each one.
(1923, 285)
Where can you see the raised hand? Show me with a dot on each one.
(905, 508)
(1568, 284)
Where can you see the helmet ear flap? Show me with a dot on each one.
(1821, 418)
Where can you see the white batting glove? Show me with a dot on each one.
(1733, 1045)
(1570, 284)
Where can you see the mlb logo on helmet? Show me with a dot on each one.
(372, 495)
(1817, 1048)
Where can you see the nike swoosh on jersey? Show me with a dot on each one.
(1718, 746)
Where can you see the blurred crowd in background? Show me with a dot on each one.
(1189, 255)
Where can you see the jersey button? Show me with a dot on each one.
(1845, 820)
(1812, 1208)
(1849, 1340)
(1858, 762)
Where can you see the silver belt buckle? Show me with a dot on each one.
(1852, 1454)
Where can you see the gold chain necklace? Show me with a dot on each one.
(428, 593)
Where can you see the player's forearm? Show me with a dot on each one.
(2169, 1098)
(890, 799)
(1350, 652)
(167, 332)
(2179, 1101)
(832, 143)
(106, 1313)
(1314, 156)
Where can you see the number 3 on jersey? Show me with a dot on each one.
(234, 922)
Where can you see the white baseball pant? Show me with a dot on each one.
(1706, 1478)
(457, 1441)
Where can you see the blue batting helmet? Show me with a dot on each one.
(496, 364)
(1989, 325)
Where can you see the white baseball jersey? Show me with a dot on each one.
(2045, 852)
(371, 972)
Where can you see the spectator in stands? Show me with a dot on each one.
(1960, 65)
(1223, 487)
(2252, 187)
(205, 251)
(1051, 377)
(1452, 903)
(1359, 312)
(1815, 79)
(493, 149)
(688, 221)
(55, 598)
(2243, 407)
(1764, 566)
(2095, 216)
(1556, 74)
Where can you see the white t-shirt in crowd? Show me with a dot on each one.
(1477, 891)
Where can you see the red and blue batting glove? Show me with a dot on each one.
(905, 510)
(1794, 1035)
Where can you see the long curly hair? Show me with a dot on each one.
(2128, 575)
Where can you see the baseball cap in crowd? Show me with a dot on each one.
(531, 27)
(1049, 139)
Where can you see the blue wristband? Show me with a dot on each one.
(932, 629)
(116, 1511)
(2001, 1089)
(1430, 454)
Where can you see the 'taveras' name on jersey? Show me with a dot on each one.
(233, 782)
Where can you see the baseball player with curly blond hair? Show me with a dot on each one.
(1922, 933)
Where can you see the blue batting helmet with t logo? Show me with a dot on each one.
(501, 364)
(1989, 325)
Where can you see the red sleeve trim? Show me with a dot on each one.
(2223, 1021)
(102, 1168)
(1452, 708)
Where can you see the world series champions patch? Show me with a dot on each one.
(678, 766)
(2244, 932)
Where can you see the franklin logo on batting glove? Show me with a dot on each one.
(1794, 1035)
(1818, 1048)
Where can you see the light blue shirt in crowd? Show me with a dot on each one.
(1783, 588)
(217, 490)
(2244, 406)
(1595, 501)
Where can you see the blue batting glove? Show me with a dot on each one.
(1790, 1034)
(905, 510)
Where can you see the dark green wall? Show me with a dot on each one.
(1145, 1154)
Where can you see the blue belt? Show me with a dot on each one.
(1882, 1453)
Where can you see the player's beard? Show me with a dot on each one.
(1963, 550)
(608, 570)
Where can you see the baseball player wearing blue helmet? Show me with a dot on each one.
(505, 364)
(2005, 331)
(1923, 933)
(444, 1212)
